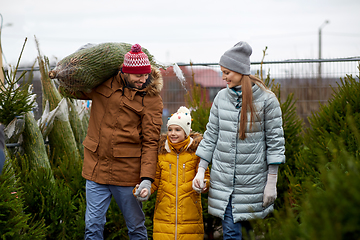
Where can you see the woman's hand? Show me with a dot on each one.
(198, 183)
(270, 193)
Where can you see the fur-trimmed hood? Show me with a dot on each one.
(156, 84)
(195, 139)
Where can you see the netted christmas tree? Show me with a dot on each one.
(90, 66)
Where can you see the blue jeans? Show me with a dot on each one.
(232, 230)
(2, 160)
(98, 197)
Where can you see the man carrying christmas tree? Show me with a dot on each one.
(121, 143)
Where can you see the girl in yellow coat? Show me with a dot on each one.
(178, 211)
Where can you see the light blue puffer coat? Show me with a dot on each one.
(239, 167)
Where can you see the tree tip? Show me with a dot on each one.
(52, 74)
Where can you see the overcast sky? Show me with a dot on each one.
(183, 31)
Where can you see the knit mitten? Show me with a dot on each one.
(145, 184)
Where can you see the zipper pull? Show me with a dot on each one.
(170, 172)
(183, 172)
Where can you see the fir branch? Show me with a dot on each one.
(15, 97)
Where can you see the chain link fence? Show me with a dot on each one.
(311, 81)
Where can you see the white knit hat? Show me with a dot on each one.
(181, 118)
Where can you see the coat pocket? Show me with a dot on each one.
(163, 207)
(190, 208)
(90, 158)
(90, 144)
(133, 105)
(157, 120)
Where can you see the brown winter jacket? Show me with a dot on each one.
(178, 211)
(124, 128)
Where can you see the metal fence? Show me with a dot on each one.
(311, 81)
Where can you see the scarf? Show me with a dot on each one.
(237, 90)
(178, 147)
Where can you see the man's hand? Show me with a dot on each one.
(270, 193)
(142, 193)
(198, 183)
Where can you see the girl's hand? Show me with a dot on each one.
(143, 193)
(204, 189)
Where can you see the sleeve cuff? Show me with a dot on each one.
(203, 163)
(273, 169)
(147, 178)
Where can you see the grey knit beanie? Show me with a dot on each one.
(237, 58)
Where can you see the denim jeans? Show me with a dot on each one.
(98, 197)
(232, 230)
(2, 160)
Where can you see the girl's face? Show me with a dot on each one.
(232, 78)
(176, 134)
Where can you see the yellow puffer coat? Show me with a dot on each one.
(178, 211)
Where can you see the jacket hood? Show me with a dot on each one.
(194, 143)
(156, 84)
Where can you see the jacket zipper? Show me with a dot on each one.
(183, 172)
(176, 197)
(170, 172)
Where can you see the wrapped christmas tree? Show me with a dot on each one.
(61, 138)
(90, 66)
(34, 147)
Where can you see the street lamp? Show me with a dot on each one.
(322, 25)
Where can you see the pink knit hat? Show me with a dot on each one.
(136, 61)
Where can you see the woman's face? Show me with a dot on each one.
(232, 78)
(176, 134)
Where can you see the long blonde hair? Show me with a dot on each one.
(247, 102)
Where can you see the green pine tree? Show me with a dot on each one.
(324, 194)
(330, 124)
(16, 97)
(15, 223)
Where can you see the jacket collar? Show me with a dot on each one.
(167, 147)
(234, 95)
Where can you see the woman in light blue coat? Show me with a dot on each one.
(244, 142)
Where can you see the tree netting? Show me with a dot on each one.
(89, 67)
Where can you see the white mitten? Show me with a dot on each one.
(270, 193)
(198, 181)
(145, 184)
